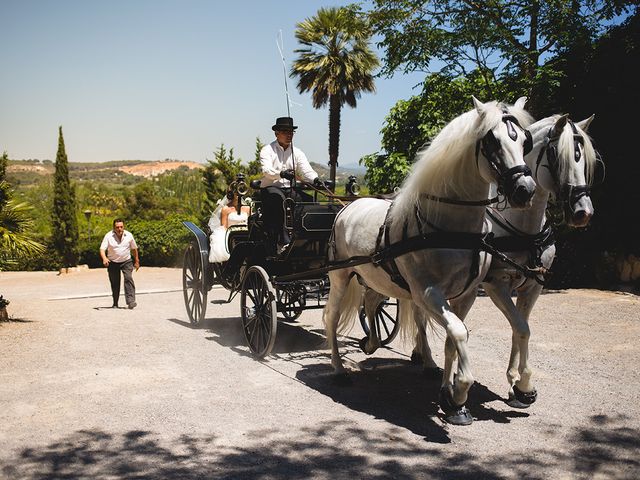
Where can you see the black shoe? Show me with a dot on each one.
(115, 305)
(132, 305)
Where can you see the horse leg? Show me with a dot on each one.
(524, 389)
(460, 306)
(499, 290)
(455, 389)
(422, 351)
(372, 342)
(339, 282)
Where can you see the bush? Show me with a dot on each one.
(161, 242)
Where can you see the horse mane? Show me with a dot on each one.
(447, 165)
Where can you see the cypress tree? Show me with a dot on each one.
(65, 223)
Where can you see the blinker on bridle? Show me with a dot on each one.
(490, 147)
(567, 193)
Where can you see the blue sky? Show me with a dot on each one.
(156, 79)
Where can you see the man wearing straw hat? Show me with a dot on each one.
(281, 163)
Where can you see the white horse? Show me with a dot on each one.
(563, 162)
(427, 242)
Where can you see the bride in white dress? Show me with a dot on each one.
(225, 216)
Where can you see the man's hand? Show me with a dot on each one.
(288, 174)
(317, 182)
(105, 262)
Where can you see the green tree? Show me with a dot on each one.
(385, 172)
(16, 224)
(518, 41)
(65, 224)
(254, 169)
(335, 64)
(217, 176)
(412, 124)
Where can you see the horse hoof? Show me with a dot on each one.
(363, 346)
(454, 414)
(520, 399)
(416, 358)
(461, 416)
(513, 402)
(342, 379)
(433, 373)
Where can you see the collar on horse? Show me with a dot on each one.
(518, 241)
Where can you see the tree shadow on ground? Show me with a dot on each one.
(335, 450)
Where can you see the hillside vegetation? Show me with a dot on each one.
(153, 198)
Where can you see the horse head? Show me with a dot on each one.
(503, 145)
(564, 165)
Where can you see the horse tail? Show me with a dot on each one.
(350, 305)
(409, 322)
(408, 327)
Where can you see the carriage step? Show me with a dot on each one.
(220, 302)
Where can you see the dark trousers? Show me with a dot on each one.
(273, 210)
(114, 270)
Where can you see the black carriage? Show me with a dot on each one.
(272, 286)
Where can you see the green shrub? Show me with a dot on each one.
(161, 242)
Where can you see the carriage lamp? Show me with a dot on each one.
(352, 187)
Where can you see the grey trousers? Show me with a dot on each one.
(114, 270)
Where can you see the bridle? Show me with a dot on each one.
(490, 149)
(489, 146)
(567, 194)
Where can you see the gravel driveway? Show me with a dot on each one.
(93, 392)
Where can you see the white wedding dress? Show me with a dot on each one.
(218, 249)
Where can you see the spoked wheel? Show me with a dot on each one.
(386, 318)
(194, 284)
(291, 302)
(259, 311)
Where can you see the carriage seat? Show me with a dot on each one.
(311, 220)
(236, 234)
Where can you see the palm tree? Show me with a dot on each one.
(335, 64)
(16, 224)
(16, 240)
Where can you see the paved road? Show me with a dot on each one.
(92, 392)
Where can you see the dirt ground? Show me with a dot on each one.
(88, 391)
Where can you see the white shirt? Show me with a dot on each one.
(274, 159)
(118, 251)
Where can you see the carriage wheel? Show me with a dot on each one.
(259, 311)
(291, 303)
(194, 285)
(386, 318)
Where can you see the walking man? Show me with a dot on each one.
(115, 250)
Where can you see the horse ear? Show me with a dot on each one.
(520, 103)
(480, 107)
(584, 124)
(560, 123)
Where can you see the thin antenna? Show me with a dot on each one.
(280, 44)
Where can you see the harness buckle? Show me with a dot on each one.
(377, 258)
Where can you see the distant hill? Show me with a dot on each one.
(31, 171)
(27, 172)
